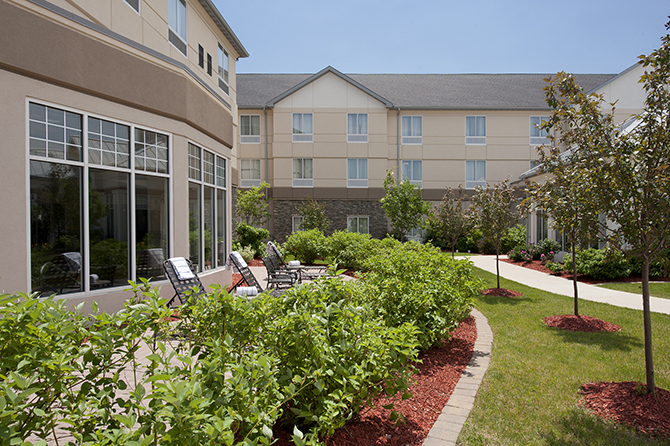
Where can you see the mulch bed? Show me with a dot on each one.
(580, 323)
(501, 292)
(438, 374)
(627, 403)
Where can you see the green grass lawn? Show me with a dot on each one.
(529, 394)
(656, 289)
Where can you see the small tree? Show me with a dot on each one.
(313, 215)
(626, 169)
(403, 204)
(252, 205)
(494, 211)
(450, 218)
(565, 199)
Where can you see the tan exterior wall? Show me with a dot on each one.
(110, 79)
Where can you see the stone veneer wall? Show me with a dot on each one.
(337, 212)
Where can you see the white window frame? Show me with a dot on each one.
(223, 70)
(412, 130)
(537, 135)
(299, 176)
(477, 138)
(357, 133)
(358, 219)
(248, 167)
(302, 133)
(251, 137)
(177, 24)
(477, 179)
(357, 172)
(85, 165)
(408, 168)
(137, 10)
(296, 221)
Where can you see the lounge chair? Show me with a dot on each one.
(279, 278)
(248, 277)
(184, 279)
(306, 272)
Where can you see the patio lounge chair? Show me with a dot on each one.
(306, 272)
(184, 280)
(248, 277)
(279, 278)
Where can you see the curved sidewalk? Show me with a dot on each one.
(563, 286)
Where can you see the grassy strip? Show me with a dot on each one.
(656, 289)
(529, 395)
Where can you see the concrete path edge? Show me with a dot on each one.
(448, 426)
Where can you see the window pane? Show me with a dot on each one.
(308, 173)
(108, 227)
(406, 126)
(417, 174)
(481, 126)
(352, 169)
(416, 126)
(194, 224)
(193, 162)
(220, 227)
(151, 225)
(297, 123)
(208, 225)
(352, 123)
(470, 171)
(363, 124)
(220, 172)
(363, 169)
(307, 123)
(55, 236)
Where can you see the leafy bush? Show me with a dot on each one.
(554, 267)
(516, 236)
(248, 235)
(348, 249)
(469, 242)
(247, 253)
(417, 284)
(599, 263)
(548, 247)
(659, 267)
(524, 253)
(306, 246)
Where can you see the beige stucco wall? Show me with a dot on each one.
(626, 91)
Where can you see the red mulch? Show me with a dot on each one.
(436, 379)
(538, 266)
(580, 323)
(501, 292)
(623, 403)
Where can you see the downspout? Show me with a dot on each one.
(265, 123)
(399, 167)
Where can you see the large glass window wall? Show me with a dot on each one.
(99, 207)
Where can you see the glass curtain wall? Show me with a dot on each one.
(98, 210)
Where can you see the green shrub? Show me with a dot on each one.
(659, 267)
(554, 267)
(306, 246)
(418, 284)
(469, 242)
(524, 253)
(548, 247)
(516, 236)
(348, 249)
(602, 264)
(247, 253)
(248, 235)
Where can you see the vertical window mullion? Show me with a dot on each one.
(85, 221)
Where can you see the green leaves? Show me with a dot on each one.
(403, 204)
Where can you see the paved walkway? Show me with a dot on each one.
(563, 286)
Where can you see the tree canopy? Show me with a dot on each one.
(403, 204)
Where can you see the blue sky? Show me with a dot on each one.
(448, 36)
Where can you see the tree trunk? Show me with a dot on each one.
(497, 269)
(648, 356)
(574, 278)
(453, 250)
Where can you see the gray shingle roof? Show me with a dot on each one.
(425, 91)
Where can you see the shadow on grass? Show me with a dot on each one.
(495, 300)
(606, 340)
(581, 428)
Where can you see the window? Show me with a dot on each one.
(201, 56)
(475, 129)
(224, 80)
(120, 232)
(357, 172)
(412, 170)
(250, 173)
(538, 136)
(209, 64)
(296, 221)
(415, 234)
(207, 209)
(250, 129)
(358, 224)
(475, 174)
(303, 127)
(357, 127)
(412, 132)
(177, 24)
(135, 4)
(303, 175)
